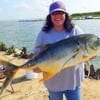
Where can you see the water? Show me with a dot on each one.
(23, 34)
(89, 26)
(19, 34)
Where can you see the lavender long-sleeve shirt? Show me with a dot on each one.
(68, 78)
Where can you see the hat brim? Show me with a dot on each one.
(55, 10)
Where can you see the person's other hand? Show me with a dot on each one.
(93, 57)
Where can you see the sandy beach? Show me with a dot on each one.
(35, 90)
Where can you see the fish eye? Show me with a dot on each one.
(78, 43)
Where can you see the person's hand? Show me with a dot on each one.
(37, 70)
(93, 57)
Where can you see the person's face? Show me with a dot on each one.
(58, 18)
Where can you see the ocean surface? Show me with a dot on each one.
(23, 34)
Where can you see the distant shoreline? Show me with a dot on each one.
(31, 20)
(44, 19)
(87, 15)
(82, 18)
(75, 16)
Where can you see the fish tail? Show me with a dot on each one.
(8, 80)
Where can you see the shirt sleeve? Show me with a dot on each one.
(38, 43)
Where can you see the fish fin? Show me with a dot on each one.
(46, 76)
(85, 58)
(43, 47)
(8, 80)
(69, 59)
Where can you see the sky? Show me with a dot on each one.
(34, 9)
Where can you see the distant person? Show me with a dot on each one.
(58, 26)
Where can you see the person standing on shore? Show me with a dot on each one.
(58, 26)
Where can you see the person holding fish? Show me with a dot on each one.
(58, 26)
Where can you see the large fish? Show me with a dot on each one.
(62, 54)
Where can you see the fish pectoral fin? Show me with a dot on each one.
(46, 76)
(85, 58)
(73, 56)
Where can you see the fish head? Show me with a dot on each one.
(97, 45)
(93, 44)
(89, 46)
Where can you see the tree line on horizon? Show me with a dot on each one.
(93, 14)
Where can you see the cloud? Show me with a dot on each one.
(22, 5)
